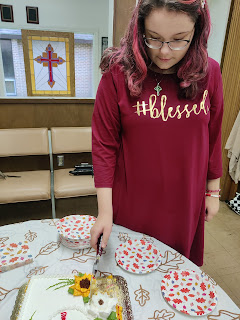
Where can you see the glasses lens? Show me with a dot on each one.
(178, 45)
(152, 43)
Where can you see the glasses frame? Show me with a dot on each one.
(161, 43)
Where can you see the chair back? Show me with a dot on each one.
(23, 142)
(71, 139)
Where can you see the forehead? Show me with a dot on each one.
(167, 23)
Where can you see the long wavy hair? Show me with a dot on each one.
(132, 55)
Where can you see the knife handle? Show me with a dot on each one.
(99, 247)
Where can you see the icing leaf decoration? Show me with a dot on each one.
(30, 236)
(80, 274)
(142, 296)
(49, 248)
(163, 315)
(170, 261)
(112, 316)
(70, 290)
(98, 319)
(62, 283)
(85, 299)
(36, 271)
(33, 315)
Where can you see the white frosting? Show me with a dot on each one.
(71, 314)
(43, 303)
(102, 305)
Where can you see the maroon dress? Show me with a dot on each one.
(156, 153)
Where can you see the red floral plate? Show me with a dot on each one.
(138, 256)
(189, 292)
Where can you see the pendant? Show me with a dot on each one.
(158, 89)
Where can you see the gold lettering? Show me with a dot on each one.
(163, 104)
(139, 111)
(156, 113)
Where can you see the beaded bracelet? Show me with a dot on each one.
(213, 190)
(212, 195)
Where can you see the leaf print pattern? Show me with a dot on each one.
(162, 315)
(83, 255)
(142, 296)
(224, 315)
(123, 237)
(189, 292)
(209, 278)
(2, 240)
(5, 292)
(170, 261)
(30, 236)
(51, 222)
(147, 238)
(49, 248)
(36, 271)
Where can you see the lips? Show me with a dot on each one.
(164, 60)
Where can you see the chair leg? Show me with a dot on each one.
(52, 175)
(53, 203)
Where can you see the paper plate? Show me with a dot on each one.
(189, 292)
(75, 227)
(138, 256)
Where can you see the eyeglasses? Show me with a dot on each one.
(173, 45)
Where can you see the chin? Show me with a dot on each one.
(166, 66)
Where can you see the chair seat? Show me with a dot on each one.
(66, 185)
(32, 186)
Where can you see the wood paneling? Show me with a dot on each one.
(122, 14)
(231, 89)
(38, 113)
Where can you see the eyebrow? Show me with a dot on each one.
(173, 35)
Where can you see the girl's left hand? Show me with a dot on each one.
(212, 207)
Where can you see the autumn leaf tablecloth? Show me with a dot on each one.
(52, 258)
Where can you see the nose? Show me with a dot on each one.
(165, 48)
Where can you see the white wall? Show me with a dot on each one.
(219, 10)
(79, 16)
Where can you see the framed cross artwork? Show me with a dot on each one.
(49, 63)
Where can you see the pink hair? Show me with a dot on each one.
(133, 58)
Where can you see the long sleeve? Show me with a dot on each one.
(105, 132)
(216, 114)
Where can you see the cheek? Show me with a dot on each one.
(151, 53)
(180, 54)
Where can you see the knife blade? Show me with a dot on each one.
(96, 262)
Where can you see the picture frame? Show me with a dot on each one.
(49, 63)
(32, 15)
(6, 13)
(104, 43)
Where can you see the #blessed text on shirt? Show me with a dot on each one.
(176, 112)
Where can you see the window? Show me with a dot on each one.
(8, 68)
(14, 70)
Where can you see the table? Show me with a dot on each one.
(50, 257)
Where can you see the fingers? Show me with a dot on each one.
(96, 231)
(106, 235)
(94, 238)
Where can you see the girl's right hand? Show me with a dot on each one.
(103, 225)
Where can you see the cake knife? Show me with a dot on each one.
(96, 262)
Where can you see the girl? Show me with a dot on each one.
(156, 141)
